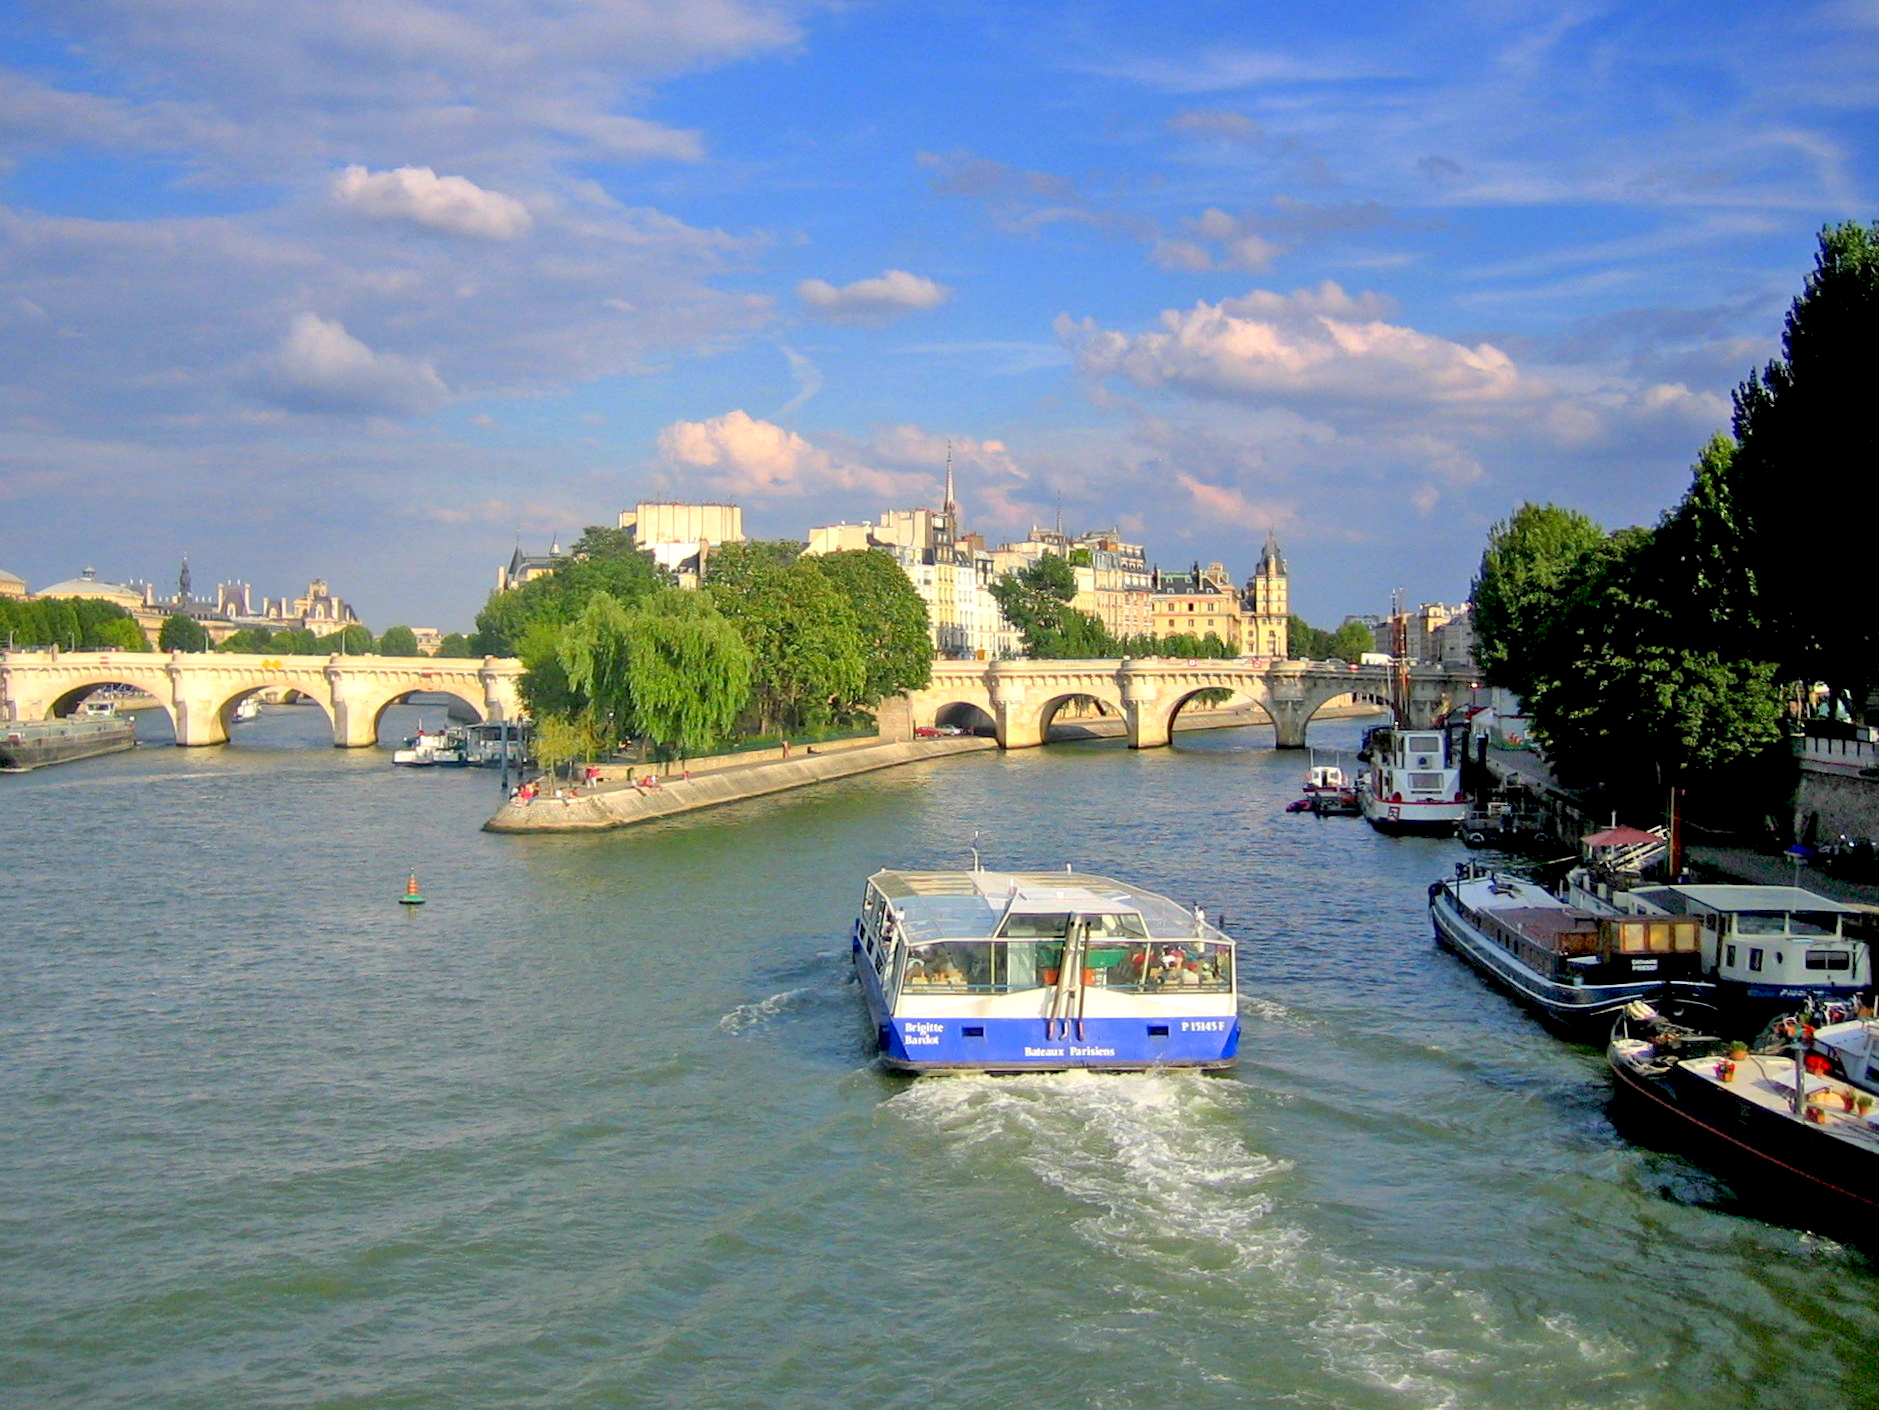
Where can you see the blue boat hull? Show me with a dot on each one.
(1107, 1044)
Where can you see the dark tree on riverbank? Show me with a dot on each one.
(180, 633)
(1807, 439)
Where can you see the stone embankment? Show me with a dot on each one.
(621, 802)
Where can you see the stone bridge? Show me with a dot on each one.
(200, 690)
(1021, 697)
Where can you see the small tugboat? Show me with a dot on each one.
(980, 971)
(1801, 1141)
(1573, 967)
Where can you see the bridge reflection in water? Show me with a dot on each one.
(200, 690)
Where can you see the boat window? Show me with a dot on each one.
(955, 967)
(1204, 966)
(1755, 960)
(1829, 959)
(1660, 937)
(1631, 937)
(1425, 781)
(1729, 957)
(1685, 937)
(1785, 923)
(1036, 926)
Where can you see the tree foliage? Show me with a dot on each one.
(1036, 600)
(398, 641)
(688, 673)
(808, 658)
(602, 560)
(349, 640)
(457, 646)
(180, 633)
(896, 638)
(70, 623)
(1533, 560)
(1803, 425)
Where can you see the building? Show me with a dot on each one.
(1432, 632)
(1202, 602)
(12, 584)
(525, 567)
(1268, 605)
(952, 572)
(680, 537)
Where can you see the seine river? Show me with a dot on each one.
(598, 1125)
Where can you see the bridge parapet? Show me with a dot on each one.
(1021, 696)
(199, 690)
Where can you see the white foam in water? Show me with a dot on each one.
(1168, 1180)
(746, 1016)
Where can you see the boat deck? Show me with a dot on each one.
(1767, 1081)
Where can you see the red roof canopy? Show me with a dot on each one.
(1619, 837)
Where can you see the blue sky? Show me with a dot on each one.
(363, 289)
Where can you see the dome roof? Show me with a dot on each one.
(87, 584)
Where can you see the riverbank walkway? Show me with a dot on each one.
(622, 795)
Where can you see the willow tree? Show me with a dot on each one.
(687, 673)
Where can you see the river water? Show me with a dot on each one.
(598, 1126)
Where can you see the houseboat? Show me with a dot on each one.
(1767, 948)
(1573, 967)
(1413, 783)
(1788, 1131)
(986, 971)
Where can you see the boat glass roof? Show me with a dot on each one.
(961, 905)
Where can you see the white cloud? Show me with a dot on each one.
(1313, 345)
(452, 204)
(737, 455)
(889, 295)
(320, 367)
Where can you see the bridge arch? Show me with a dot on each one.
(1241, 692)
(199, 690)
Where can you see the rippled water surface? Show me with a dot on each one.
(598, 1125)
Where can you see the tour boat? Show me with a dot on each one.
(1778, 1122)
(1413, 784)
(1574, 967)
(247, 708)
(985, 971)
(423, 750)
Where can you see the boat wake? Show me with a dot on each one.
(1154, 1158)
(745, 1017)
(1167, 1180)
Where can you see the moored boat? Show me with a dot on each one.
(422, 750)
(1041, 971)
(1573, 967)
(1767, 948)
(1802, 1142)
(1413, 784)
(31, 744)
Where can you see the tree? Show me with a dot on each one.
(1625, 700)
(1308, 643)
(398, 641)
(350, 640)
(294, 641)
(122, 634)
(895, 632)
(688, 673)
(806, 648)
(248, 641)
(456, 646)
(604, 560)
(1351, 641)
(1036, 600)
(1802, 424)
(1532, 560)
(180, 633)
